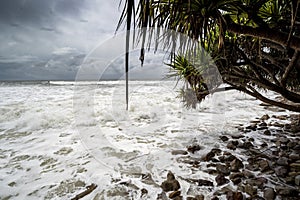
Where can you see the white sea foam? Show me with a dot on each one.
(55, 136)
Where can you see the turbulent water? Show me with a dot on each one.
(58, 137)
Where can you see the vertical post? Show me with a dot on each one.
(130, 4)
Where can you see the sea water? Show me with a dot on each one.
(56, 137)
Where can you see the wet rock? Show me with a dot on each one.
(297, 180)
(224, 138)
(281, 171)
(236, 181)
(247, 145)
(208, 156)
(171, 184)
(236, 175)
(294, 156)
(283, 161)
(259, 182)
(232, 144)
(263, 124)
(284, 140)
(248, 174)
(162, 196)
(286, 191)
(252, 127)
(216, 151)
(223, 169)
(193, 148)
(295, 167)
(202, 182)
(144, 192)
(265, 117)
(236, 165)
(251, 190)
(174, 194)
(269, 194)
(221, 180)
(199, 197)
(267, 132)
(215, 198)
(237, 136)
(234, 195)
(263, 165)
(179, 152)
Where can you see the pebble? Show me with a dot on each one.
(202, 182)
(171, 184)
(297, 180)
(269, 194)
(234, 195)
(283, 161)
(236, 165)
(174, 194)
(221, 180)
(223, 169)
(179, 152)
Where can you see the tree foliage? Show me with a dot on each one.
(255, 44)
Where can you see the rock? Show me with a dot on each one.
(284, 140)
(215, 198)
(174, 194)
(236, 175)
(208, 156)
(247, 145)
(263, 124)
(251, 190)
(281, 171)
(294, 156)
(295, 167)
(236, 165)
(234, 195)
(236, 181)
(292, 144)
(224, 138)
(283, 161)
(223, 169)
(297, 180)
(269, 194)
(263, 165)
(216, 151)
(179, 152)
(232, 144)
(199, 197)
(162, 196)
(193, 148)
(171, 184)
(202, 182)
(252, 127)
(144, 192)
(221, 180)
(248, 174)
(267, 132)
(259, 182)
(265, 117)
(286, 191)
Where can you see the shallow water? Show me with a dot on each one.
(58, 137)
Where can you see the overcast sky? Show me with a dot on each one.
(50, 39)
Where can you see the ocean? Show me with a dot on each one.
(56, 137)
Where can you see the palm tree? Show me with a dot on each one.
(255, 44)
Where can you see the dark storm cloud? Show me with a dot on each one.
(48, 39)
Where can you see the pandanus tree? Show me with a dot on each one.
(255, 44)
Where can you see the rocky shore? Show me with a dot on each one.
(261, 162)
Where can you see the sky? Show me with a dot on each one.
(53, 39)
